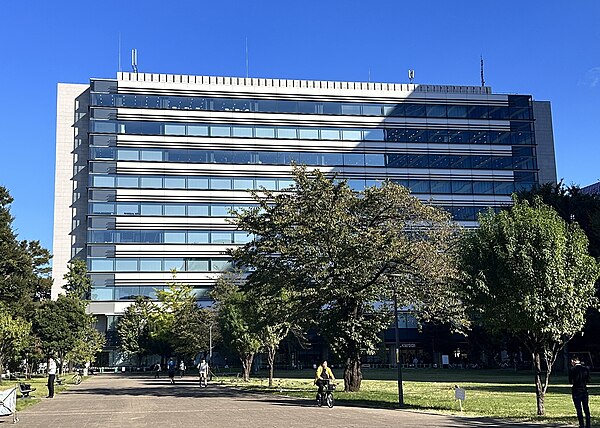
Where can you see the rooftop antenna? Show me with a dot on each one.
(369, 74)
(134, 60)
(482, 79)
(411, 76)
(246, 57)
(119, 61)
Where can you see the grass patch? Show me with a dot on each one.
(492, 393)
(41, 390)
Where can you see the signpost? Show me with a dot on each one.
(460, 394)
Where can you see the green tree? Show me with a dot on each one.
(24, 269)
(529, 273)
(238, 320)
(78, 282)
(88, 345)
(331, 251)
(14, 336)
(59, 324)
(134, 329)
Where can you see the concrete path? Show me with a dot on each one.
(115, 401)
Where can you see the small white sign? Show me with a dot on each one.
(460, 394)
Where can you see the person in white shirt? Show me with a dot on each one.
(51, 377)
(203, 372)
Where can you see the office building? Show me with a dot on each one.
(149, 166)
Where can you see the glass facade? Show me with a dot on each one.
(162, 184)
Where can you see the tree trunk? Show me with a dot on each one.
(247, 365)
(271, 361)
(540, 391)
(352, 373)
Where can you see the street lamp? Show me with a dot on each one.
(397, 332)
(210, 343)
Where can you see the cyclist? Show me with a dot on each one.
(203, 373)
(322, 377)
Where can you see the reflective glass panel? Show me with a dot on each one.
(220, 237)
(174, 183)
(124, 181)
(177, 264)
(351, 135)
(174, 210)
(197, 183)
(264, 132)
(198, 265)
(197, 210)
(197, 237)
(330, 134)
(128, 209)
(150, 265)
(126, 265)
(220, 131)
(197, 130)
(151, 182)
(220, 184)
(174, 237)
(243, 184)
(308, 133)
(151, 209)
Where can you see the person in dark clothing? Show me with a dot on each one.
(579, 377)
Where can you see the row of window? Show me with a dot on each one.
(522, 134)
(167, 210)
(225, 210)
(167, 237)
(526, 159)
(158, 264)
(516, 110)
(131, 293)
(525, 181)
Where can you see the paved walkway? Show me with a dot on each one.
(115, 401)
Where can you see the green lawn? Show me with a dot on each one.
(494, 393)
(41, 390)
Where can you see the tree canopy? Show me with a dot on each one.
(528, 273)
(78, 282)
(331, 251)
(24, 270)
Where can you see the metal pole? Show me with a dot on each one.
(210, 343)
(398, 365)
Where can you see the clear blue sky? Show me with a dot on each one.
(550, 49)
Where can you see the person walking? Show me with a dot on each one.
(181, 369)
(171, 365)
(156, 368)
(579, 377)
(51, 377)
(203, 373)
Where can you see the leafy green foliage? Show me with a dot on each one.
(331, 251)
(60, 324)
(572, 205)
(134, 330)
(238, 320)
(87, 346)
(14, 336)
(528, 273)
(78, 282)
(24, 270)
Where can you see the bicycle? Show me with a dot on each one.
(76, 379)
(326, 397)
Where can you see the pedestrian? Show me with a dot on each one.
(579, 377)
(51, 376)
(156, 370)
(171, 366)
(181, 369)
(203, 373)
